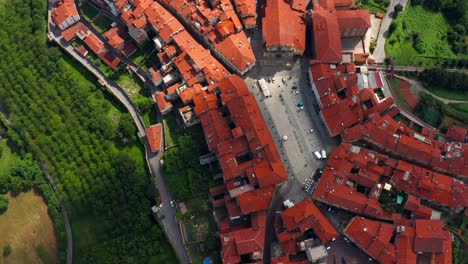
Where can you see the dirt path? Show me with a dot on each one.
(416, 87)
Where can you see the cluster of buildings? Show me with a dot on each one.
(302, 230)
(409, 242)
(66, 17)
(355, 178)
(398, 183)
(284, 27)
(218, 24)
(236, 132)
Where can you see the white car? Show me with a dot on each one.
(172, 203)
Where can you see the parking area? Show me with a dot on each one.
(292, 116)
(344, 251)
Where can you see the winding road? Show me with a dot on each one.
(170, 224)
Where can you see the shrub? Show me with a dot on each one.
(6, 250)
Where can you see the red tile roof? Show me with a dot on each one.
(71, 32)
(236, 48)
(343, 3)
(64, 11)
(94, 43)
(283, 27)
(430, 236)
(154, 135)
(163, 105)
(353, 19)
(256, 200)
(456, 133)
(373, 237)
(305, 215)
(327, 36)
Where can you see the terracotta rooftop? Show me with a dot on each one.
(154, 135)
(326, 35)
(353, 19)
(64, 11)
(456, 133)
(283, 26)
(94, 43)
(305, 215)
(373, 237)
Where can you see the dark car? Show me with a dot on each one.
(343, 260)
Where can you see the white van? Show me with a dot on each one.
(324, 154)
(317, 154)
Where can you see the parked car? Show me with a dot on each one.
(317, 154)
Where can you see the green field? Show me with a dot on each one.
(450, 94)
(429, 29)
(131, 86)
(7, 159)
(88, 11)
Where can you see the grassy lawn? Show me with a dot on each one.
(144, 58)
(130, 85)
(171, 130)
(375, 6)
(448, 94)
(88, 11)
(7, 159)
(25, 226)
(399, 97)
(150, 117)
(432, 31)
(102, 23)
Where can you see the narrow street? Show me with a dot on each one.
(379, 53)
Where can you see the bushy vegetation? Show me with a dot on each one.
(184, 174)
(3, 203)
(375, 5)
(441, 78)
(418, 36)
(429, 110)
(456, 12)
(6, 250)
(63, 119)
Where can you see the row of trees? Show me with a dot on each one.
(441, 78)
(66, 122)
(23, 174)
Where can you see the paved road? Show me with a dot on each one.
(417, 87)
(170, 224)
(379, 53)
(380, 67)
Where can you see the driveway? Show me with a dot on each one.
(379, 52)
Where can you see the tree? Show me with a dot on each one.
(143, 103)
(6, 250)
(398, 8)
(4, 203)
